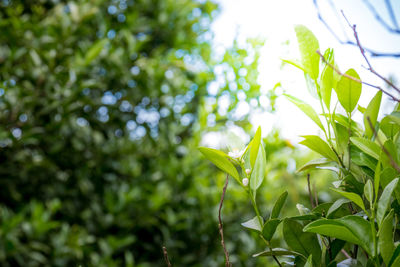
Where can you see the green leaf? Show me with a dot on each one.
(314, 164)
(369, 191)
(353, 229)
(309, 262)
(294, 63)
(342, 138)
(395, 117)
(270, 228)
(336, 246)
(385, 241)
(308, 46)
(276, 210)
(322, 208)
(220, 160)
(327, 85)
(301, 242)
(306, 217)
(277, 252)
(372, 113)
(307, 109)
(255, 144)
(335, 206)
(384, 201)
(367, 146)
(352, 196)
(389, 127)
(315, 143)
(348, 91)
(254, 224)
(395, 259)
(258, 173)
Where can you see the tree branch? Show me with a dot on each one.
(166, 256)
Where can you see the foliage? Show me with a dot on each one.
(364, 158)
(100, 102)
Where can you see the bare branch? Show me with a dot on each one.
(220, 227)
(166, 256)
(346, 40)
(355, 79)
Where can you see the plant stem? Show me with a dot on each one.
(270, 249)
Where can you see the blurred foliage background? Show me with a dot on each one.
(102, 107)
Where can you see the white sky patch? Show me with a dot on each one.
(275, 21)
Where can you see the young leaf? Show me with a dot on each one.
(384, 201)
(270, 228)
(308, 46)
(255, 144)
(352, 196)
(353, 229)
(367, 146)
(276, 210)
(258, 173)
(348, 91)
(301, 242)
(385, 241)
(368, 191)
(372, 113)
(315, 143)
(254, 224)
(277, 252)
(219, 159)
(307, 109)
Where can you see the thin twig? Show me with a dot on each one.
(166, 256)
(309, 191)
(345, 253)
(220, 227)
(392, 161)
(346, 40)
(362, 50)
(355, 79)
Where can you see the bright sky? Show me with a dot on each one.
(274, 20)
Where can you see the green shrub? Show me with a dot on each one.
(362, 223)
